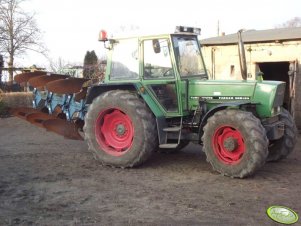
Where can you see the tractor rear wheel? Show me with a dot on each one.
(120, 129)
(280, 149)
(235, 143)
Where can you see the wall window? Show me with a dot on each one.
(232, 70)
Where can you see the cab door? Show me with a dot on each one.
(159, 75)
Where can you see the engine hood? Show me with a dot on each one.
(266, 94)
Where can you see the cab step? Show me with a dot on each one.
(168, 145)
(172, 129)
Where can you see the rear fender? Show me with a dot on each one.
(97, 90)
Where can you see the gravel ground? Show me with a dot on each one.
(47, 180)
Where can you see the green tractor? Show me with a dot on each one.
(156, 96)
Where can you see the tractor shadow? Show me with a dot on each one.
(190, 157)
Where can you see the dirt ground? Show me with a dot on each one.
(47, 180)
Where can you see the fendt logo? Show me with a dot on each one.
(282, 214)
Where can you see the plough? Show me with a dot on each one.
(58, 103)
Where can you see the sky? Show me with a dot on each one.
(70, 27)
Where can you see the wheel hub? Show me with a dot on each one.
(120, 129)
(230, 144)
(114, 131)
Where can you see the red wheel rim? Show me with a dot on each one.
(114, 131)
(228, 145)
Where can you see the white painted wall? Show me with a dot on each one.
(227, 55)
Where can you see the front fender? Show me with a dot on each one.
(220, 107)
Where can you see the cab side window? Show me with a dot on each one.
(125, 60)
(157, 62)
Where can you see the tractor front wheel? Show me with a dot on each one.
(235, 143)
(280, 149)
(120, 129)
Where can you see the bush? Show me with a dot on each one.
(17, 99)
(13, 100)
(4, 110)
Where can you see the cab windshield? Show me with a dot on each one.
(188, 56)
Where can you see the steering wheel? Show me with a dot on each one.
(168, 72)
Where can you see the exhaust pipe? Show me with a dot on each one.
(242, 56)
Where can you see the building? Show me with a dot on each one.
(275, 52)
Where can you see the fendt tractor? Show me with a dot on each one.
(156, 96)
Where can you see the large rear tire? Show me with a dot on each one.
(235, 143)
(120, 129)
(280, 149)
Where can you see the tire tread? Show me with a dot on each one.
(142, 112)
(257, 137)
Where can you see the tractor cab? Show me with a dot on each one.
(162, 65)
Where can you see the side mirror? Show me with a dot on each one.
(156, 46)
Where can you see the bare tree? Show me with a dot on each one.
(61, 66)
(18, 32)
(57, 65)
(294, 22)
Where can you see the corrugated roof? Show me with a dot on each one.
(254, 36)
